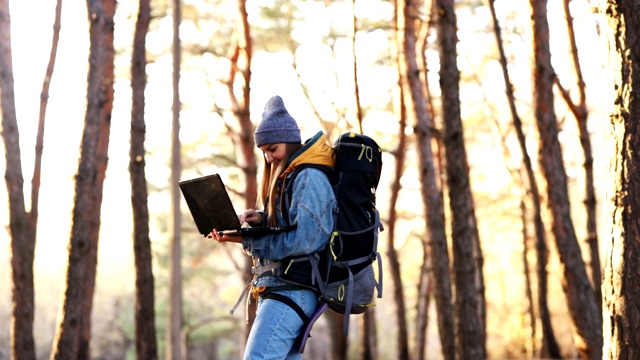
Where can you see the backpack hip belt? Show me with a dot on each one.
(273, 266)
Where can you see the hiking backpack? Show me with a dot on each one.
(342, 272)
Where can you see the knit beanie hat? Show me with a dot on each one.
(277, 126)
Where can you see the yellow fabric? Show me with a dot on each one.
(256, 291)
(316, 151)
(319, 153)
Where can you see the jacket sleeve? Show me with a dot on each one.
(312, 210)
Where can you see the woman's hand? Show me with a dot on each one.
(215, 235)
(250, 216)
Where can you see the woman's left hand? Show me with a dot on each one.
(215, 235)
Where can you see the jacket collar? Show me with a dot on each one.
(315, 151)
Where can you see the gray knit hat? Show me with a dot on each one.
(277, 126)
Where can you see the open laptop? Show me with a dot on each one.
(211, 208)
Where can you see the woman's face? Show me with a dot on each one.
(274, 153)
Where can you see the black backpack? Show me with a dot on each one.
(342, 272)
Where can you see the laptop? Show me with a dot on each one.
(211, 208)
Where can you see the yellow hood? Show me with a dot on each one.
(316, 150)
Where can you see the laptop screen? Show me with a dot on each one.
(209, 204)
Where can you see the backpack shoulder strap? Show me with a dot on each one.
(331, 174)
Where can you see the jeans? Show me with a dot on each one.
(277, 325)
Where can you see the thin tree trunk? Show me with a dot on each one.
(425, 290)
(175, 248)
(145, 332)
(367, 338)
(527, 279)
(621, 285)
(354, 31)
(240, 107)
(469, 292)
(335, 322)
(368, 335)
(22, 224)
(66, 344)
(550, 347)
(431, 193)
(44, 101)
(425, 285)
(580, 295)
(22, 234)
(109, 6)
(393, 263)
(581, 113)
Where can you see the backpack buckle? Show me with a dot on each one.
(273, 267)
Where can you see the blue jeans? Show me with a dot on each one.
(277, 325)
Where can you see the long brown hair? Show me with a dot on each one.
(268, 188)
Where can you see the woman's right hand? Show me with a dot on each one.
(251, 216)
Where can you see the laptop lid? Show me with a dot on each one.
(209, 204)
(211, 208)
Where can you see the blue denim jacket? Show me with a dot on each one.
(312, 209)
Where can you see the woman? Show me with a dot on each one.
(311, 210)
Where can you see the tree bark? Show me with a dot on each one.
(22, 224)
(621, 285)
(44, 101)
(175, 247)
(367, 323)
(467, 274)
(335, 322)
(580, 295)
(356, 83)
(425, 284)
(549, 346)
(240, 107)
(368, 335)
(109, 6)
(22, 234)
(527, 281)
(581, 114)
(392, 256)
(86, 212)
(431, 193)
(145, 331)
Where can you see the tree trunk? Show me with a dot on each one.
(581, 113)
(240, 107)
(393, 263)
(145, 331)
(44, 101)
(466, 250)
(109, 6)
(580, 295)
(175, 251)
(621, 285)
(356, 83)
(86, 207)
(527, 282)
(368, 335)
(23, 229)
(335, 321)
(425, 284)
(425, 291)
(367, 324)
(22, 234)
(550, 347)
(431, 192)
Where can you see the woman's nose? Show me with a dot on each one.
(269, 158)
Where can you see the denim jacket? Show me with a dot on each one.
(312, 206)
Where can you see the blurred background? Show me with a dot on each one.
(303, 52)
